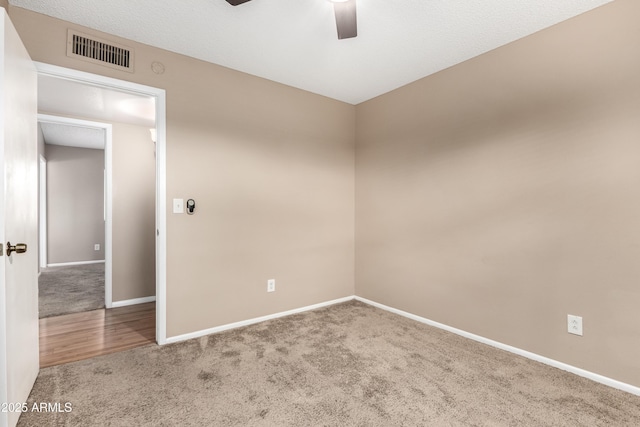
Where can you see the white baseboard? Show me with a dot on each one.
(529, 355)
(134, 301)
(533, 356)
(228, 326)
(62, 264)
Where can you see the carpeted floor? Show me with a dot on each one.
(70, 289)
(346, 365)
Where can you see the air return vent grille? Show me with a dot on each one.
(103, 52)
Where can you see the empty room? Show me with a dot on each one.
(367, 213)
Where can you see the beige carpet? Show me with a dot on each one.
(346, 365)
(70, 289)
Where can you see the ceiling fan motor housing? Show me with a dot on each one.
(345, 11)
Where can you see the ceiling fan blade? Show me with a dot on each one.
(346, 21)
(236, 2)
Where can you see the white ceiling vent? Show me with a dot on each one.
(103, 52)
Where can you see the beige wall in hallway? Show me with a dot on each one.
(502, 194)
(75, 204)
(271, 169)
(134, 212)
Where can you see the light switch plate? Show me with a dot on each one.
(178, 206)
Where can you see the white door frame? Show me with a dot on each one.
(42, 198)
(161, 173)
(108, 193)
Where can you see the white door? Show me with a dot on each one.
(19, 362)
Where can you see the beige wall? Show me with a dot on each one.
(134, 211)
(75, 204)
(271, 169)
(502, 194)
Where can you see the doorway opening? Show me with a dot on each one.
(75, 195)
(98, 88)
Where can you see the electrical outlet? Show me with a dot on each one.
(96, 247)
(271, 285)
(574, 324)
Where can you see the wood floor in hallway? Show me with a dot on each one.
(81, 336)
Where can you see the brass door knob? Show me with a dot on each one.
(19, 248)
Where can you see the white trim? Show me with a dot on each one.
(134, 301)
(108, 214)
(95, 79)
(242, 323)
(161, 219)
(64, 264)
(161, 171)
(529, 355)
(42, 197)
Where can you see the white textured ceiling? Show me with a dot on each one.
(73, 136)
(294, 41)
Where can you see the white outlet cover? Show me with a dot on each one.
(574, 324)
(271, 285)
